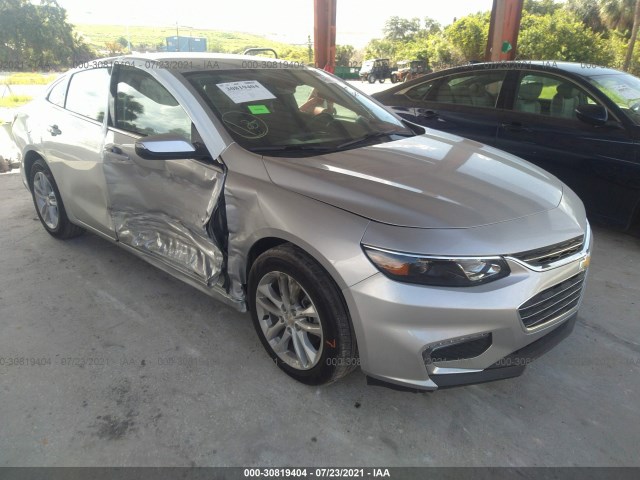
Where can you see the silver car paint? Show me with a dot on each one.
(162, 208)
(566, 221)
(433, 182)
(391, 339)
(327, 206)
(78, 168)
(258, 209)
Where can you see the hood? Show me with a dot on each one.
(435, 180)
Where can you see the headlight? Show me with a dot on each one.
(438, 271)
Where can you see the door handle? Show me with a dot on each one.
(515, 127)
(116, 153)
(54, 130)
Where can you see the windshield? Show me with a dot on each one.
(624, 90)
(294, 110)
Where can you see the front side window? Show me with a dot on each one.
(624, 90)
(294, 110)
(144, 107)
(550, 95)
(87, 93)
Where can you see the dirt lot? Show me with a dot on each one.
(115, 363)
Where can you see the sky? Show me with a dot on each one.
(291, 21)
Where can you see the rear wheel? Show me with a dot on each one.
(48, 203)
(382, 80)
(300, 317)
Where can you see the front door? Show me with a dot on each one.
(463, 104)
(595, 161)
(161, 208)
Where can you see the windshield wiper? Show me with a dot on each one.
(372, 136)
(290, 148)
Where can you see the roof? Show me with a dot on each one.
(582, 69)
(200, 60)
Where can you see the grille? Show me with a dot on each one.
(458, 351)
(542, 257)
(552, 302)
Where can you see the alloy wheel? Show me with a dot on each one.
(46, 200)
(289, 320)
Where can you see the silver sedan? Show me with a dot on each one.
(354, 238)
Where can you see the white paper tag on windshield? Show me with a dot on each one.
(627, 92)
(245, 91)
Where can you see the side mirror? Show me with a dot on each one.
(167, 146)
(592, 114)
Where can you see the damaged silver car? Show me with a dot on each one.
(353, 237)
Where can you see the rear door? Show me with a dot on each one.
(464, 104)
(542, 127)
(161, 208)
(73, 143)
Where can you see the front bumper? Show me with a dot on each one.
(397, 325)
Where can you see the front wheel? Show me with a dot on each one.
(48, 203)
(394, 78)
(371, 78)
(300, 316)
(382, 80)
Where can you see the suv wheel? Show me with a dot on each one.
(371, 78)
(300, 317)
(48, 203)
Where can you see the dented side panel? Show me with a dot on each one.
(162, 208)
(258, 209)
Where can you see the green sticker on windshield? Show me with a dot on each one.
(258, 109)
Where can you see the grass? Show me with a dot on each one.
(151, 37)
(12, 101)
(28, 79)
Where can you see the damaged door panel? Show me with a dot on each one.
(161, 208)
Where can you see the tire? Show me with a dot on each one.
(371, 78)
(382, 80)
(48, 203)
(329, 343)
(394, 78)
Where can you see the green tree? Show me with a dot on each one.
(469, 35)
(344, 54)
(441, 53)
(618, 14)
(124, 43)
(378, 48)
(634, 37)
(541, 7)
(431, 26)
(589, 12)
(38, 37)
(561, 36)
(401, 29)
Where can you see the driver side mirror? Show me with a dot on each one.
(592, 114)
(168, 146)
